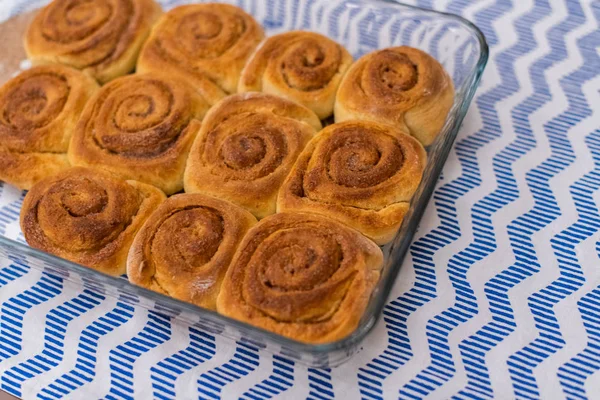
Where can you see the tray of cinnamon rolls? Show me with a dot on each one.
(274, 174)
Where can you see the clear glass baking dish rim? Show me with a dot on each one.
(377, 302)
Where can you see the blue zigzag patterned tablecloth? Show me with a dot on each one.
(499, 297)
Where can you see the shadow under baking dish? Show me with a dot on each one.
(361, 27)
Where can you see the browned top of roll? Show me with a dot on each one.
(302, 276)
(363, 164)
(89, 35)
(203, 41)
(246, 147)
(185, 247)
(140, 127)
(388, 85)
(87, 216)
(38, 111)
(39, 106)
(360, 172)
(302, 66)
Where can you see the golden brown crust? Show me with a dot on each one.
(87, 216)
(246, 147)
(205, 44)
(400, 86)
(361, 173)
(301, 66)
(100, 37)
(302, 276)
(140, 127)
(185, 247)
(39, 109)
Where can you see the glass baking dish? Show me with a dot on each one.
(361, 26)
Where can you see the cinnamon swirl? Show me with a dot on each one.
(303, 276)
(400, 86)
(87, 216)
(206, 44)
(38, 112)
(305, 67)
(361, 173)
(246, 147)
(185, 247)
(140, 127)
(101, 37)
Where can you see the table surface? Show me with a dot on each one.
(500, 298)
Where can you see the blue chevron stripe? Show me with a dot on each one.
(295, 11)
(319, 382)
(473, 349)
(426, 4)
(574, 374)
(306, 21)
(85, 365)
(545, 210)
(57, 322)
(442, 366)
(369, 30)
(333, 22)
(165, 373)
(13, 311)
(122, 358)
(15, 270)
(275, 14)
(280, 380)
(244, 360)
(439, 327)
(14, 322)
(404, 30)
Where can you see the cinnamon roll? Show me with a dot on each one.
(206, 44)
(246, 147)
(101, 37)
(303, 276)
(140, 127)
(185, 247)
(87, 216)
(361, 173)
(400, 86)
(38, 112)
(305, 67)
